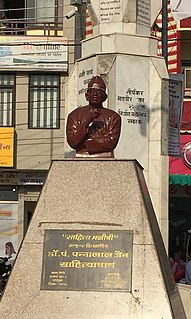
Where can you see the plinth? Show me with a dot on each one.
(93, 249)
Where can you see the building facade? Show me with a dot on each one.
(37, 53)
(179, 62)
(38, 49)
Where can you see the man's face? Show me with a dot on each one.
(95, 95)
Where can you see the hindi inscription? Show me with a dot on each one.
(110, 10)
(143, 12)
(87, 260)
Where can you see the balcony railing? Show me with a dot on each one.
(12, 27)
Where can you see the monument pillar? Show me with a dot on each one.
(123, 52)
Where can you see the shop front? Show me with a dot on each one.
(19, 192)
(180, 188)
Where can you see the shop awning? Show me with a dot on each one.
(175, 179)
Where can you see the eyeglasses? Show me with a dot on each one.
(94, 90)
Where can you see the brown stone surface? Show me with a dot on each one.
(97, 195)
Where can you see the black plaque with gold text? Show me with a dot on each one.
(87, 260)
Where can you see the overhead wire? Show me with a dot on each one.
(31, 8)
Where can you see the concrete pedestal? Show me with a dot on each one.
(105, 202)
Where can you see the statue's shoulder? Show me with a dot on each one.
(79, 110)
(111, 112)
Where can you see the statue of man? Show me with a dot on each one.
(92, 130)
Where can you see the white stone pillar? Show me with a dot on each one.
(123, 52)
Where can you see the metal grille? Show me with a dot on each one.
(44, 101)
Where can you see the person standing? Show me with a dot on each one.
(10, 253)
(177, 264)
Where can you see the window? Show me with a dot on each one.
(7, 98)
(187, 78)
(43, 10)
(13, 10)
(44, 106)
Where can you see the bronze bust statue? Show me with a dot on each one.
(92, 130)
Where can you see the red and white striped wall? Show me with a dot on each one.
(89, 29)
(173, 44)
